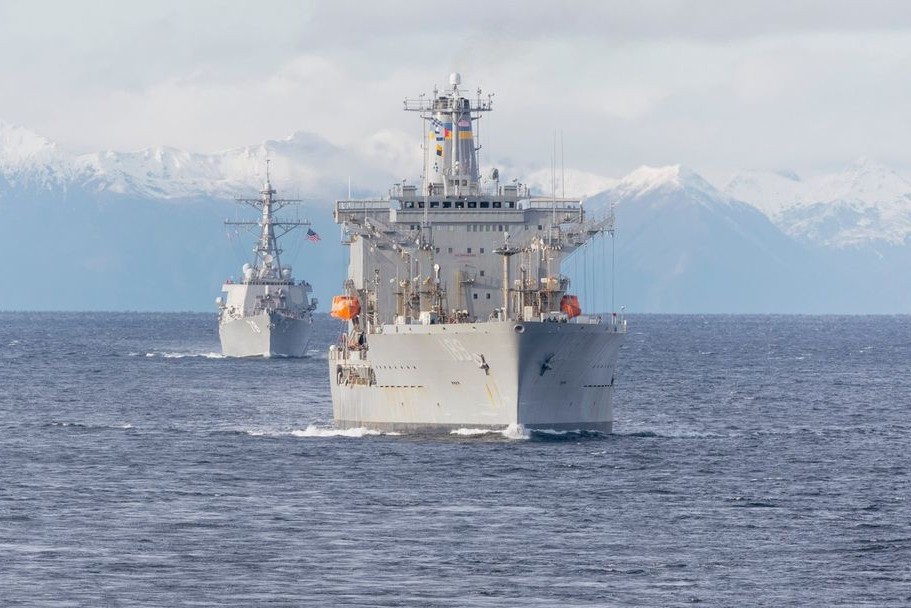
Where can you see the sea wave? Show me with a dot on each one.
(81, 425)
(319, 431)
(178, 355)
(513, 431)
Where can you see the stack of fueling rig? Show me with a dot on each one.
(457, 313)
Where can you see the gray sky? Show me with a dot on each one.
(715, 85)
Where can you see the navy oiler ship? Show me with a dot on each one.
(457, 313)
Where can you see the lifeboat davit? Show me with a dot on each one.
(345, 307)
(570, 305)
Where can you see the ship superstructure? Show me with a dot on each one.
(458, 314)
(266, 313)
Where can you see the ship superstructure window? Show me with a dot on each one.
(434, 204)
(484, 205)
(421, 204)
(496, 204)
(488, 296)
(474, 296)
(469, 250)
(447, 204)
(460, 204)
(540, 227)
(482, 250)
(482, 273)
(450, 250)
(510, 205)
(472, 205)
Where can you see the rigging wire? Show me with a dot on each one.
(603, 259)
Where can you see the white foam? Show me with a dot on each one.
(516, 431)
(472, 432)
(556, 432)
(316, 431)
(178, 355)
(513, 431)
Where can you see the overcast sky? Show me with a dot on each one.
(717, 86)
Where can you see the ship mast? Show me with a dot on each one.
(450, 154)
(267, 254)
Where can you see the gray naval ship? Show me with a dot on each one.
(457, 313)
(266, 314)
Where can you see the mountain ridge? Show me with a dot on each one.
(764, 242)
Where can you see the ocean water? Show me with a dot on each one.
(756, 461)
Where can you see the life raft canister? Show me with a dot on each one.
(570, 305)
(345, 307)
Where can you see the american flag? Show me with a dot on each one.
(312, 236)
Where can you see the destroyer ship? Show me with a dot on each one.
(457, 314)
(266, 313)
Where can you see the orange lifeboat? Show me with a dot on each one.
(570, 305)
(345, 307)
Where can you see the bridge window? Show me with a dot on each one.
(447, 204)
(482, 250)
(421, 204)
(511, 205)
(469, 250)
(482, 273)
(496, 204)
(484, 204)
(488, 296)
(450, 250)
(474, 296)
(472, 205)
(460, 204)
(434, 204)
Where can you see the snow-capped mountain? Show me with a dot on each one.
(767, 242)
(866, 203)
(684, 245)
(303, 164)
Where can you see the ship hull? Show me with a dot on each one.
(539, 375)
(265, 335)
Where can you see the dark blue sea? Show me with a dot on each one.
(756, 461)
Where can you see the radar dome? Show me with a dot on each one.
(455, 79)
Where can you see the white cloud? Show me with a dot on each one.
(714, 85)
